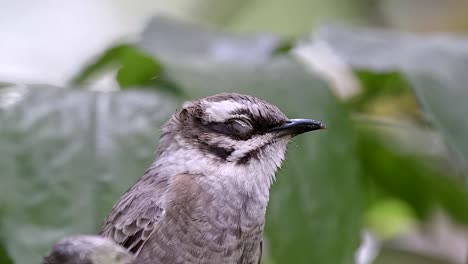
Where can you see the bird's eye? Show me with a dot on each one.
(240, 127)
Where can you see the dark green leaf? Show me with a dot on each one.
(135, 68)
(4, 257)
(284, 47)
(406, 177)
(381, 92)
(104, 61)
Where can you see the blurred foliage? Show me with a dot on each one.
(68, 154)
(201, 63)
(297, 17)
(134, 67)
(435, 67)
(392, 256)
(408, 178)
(381, 91)
(389, 217)
(4, 256)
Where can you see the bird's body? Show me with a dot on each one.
(204, 199)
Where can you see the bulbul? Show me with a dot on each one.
(203, 200)
(85, 249)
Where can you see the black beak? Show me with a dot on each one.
(296, 127)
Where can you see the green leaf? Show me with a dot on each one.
(104, 61)
(406, 177)
(135, 67)
(307, 220)
(67, 156)
(440, 87)
(4, 257)
(381, 92)
(389, 218)
(389, 51)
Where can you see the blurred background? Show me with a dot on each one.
(85, 86)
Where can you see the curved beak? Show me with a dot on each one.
(296, 127)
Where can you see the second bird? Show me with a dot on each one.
(203, 200)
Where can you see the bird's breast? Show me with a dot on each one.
(209, 223)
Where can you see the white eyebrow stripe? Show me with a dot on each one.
(219, 111)
(240, 116)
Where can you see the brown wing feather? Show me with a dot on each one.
(135, 216)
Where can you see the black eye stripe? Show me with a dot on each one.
(261, 123)
(221, 128)
(254, 154)
(220, 152)
(225, 129)
(254, 125)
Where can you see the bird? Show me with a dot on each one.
(204, 198)
(88, 249)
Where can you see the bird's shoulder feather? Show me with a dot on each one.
(136, 215)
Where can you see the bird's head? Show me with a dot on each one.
(232, 132)
(86, 249)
